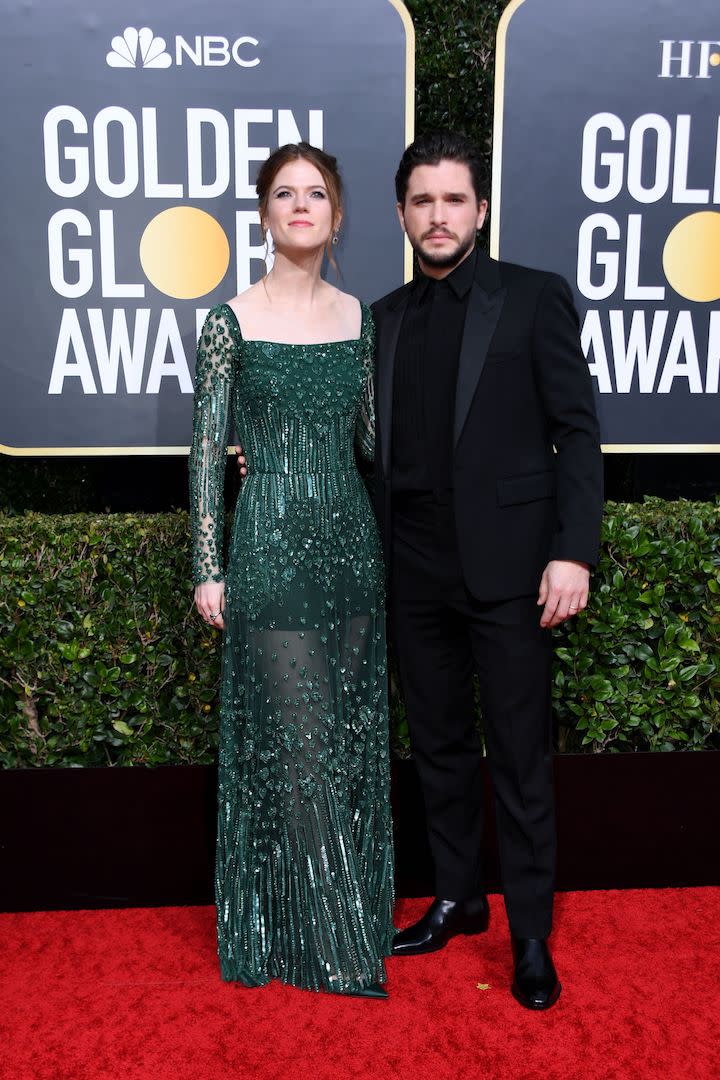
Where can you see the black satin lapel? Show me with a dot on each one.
(388, 332)
(480, 322)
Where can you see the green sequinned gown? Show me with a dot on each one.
(304, 874)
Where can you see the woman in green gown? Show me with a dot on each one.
(304, 873)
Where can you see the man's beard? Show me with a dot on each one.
(448, 259)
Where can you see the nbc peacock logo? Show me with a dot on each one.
(138, 48)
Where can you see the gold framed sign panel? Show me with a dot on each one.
(110, 150)
(606, 169)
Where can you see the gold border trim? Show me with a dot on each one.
(660, 448)
(183, 451)
(409, 108)
(178, 451)
(94, 451)
(499, 96)
(498, 118)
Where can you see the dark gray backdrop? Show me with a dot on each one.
(562, 63)
(349, 60)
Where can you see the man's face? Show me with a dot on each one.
(441, 215)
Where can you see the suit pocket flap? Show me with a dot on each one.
(522, 489)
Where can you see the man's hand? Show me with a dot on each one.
(241, 462)
(564, 589)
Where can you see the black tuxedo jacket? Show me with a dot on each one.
(527, 466)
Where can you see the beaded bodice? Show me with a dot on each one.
(299, 412)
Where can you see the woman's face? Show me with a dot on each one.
(299, 213)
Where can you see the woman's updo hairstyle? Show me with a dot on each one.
(325, 164)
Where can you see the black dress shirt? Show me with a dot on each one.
(425, 377)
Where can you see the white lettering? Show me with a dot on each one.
(168, 337)
(82, 257)
(237, 45)
(216, 51)
(652, 146)
(289, 132)
(633, 289)
(196, 120)
(592, 341)
(112, 159)
(637, 359)
(70, 337)
(109, 356)
(636, 351)
(668, 59)
(110, 285)
(682, 340)
(612, 161)
(131, 166)
(244, 153)
(608, 260)
(66, 189)
(712, 375)
(195, 54)
(153, 188)
(681, 192)
(663, 152)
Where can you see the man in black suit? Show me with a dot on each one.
(489, 500)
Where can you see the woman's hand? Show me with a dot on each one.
(210, 602)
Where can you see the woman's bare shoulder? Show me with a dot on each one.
(250, 301)
(340, 297)
(349, 305)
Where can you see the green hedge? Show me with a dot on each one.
(640, 670)
(455, 65)
(103, 661)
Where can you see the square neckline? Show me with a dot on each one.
(300, 344)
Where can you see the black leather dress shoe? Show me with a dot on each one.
(443, 920)
(536, 983)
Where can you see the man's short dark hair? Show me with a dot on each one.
(437, 146)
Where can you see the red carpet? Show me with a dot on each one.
(135, 995)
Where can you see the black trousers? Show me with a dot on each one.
(442, 635)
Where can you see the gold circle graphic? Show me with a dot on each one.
(691, 257)
(714, 59)
(184, 252)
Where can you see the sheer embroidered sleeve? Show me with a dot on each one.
(216, 358)
(365, 427)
